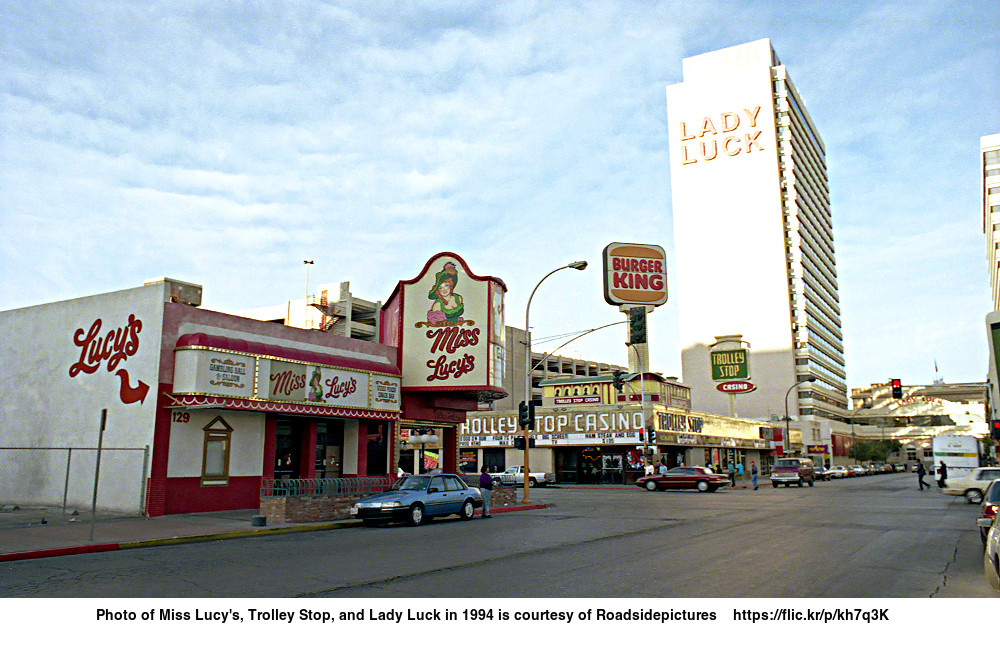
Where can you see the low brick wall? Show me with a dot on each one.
(298, 510)
(333, 507)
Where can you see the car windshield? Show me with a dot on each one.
(411, 483)
(786, 462)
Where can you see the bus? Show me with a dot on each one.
(960, 453)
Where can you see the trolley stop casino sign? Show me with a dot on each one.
(635, 274)
(729, 364)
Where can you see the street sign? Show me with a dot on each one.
(735, 387)
(729, 364)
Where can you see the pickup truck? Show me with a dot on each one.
(514, 475)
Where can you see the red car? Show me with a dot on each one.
(684, 478)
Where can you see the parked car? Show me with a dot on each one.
(991, 555)
(973, 485)
(838, 471)
(822, 473)
(793, 470)
(684, 478)
(991, 502)
(417, 498)
(855, 470)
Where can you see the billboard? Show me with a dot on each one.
(635, 274)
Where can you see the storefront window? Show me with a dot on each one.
(215, 459)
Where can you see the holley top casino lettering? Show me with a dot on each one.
(635, 274)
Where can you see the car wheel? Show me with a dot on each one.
(467, 510)
(532, 482)
(973, 496)
(812, 483)
(651, 486)
(702, 486)
(416, 515)
(990, 566)
(982, 535)
(370, 523)
(800, 482)
(774, 484)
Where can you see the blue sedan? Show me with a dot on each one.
(414, 499)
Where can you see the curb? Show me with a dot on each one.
(194, 539)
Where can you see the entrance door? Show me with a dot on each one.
(329, 448)
(288, 448)
(494, 459)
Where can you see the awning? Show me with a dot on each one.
(208, 401)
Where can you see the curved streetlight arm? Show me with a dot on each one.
(590, 331)
(788, 433)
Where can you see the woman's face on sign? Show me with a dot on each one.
(445, 289)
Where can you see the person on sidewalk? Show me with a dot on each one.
(486, 488)
(731, 470)
(739, 473)
(942, 475)
(753, 474)
(920, 476)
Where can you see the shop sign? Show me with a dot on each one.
(687, 439)
(591, 422)
(635, 274)
(817, 449)
(453, 328)
(589, 399)
(735, 387)
(296, 382)
(729, 364)
(110, 347)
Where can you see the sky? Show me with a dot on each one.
(225, 143)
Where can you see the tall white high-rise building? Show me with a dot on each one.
(753, 237)
(989, 146)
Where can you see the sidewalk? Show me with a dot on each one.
(24, 536)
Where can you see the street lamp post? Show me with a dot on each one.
(425, 439)
(579, 266)
(788, 433)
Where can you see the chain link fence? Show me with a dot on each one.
(63, 477)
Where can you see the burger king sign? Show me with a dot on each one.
(635, 274)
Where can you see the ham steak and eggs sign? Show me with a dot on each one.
(453, 328)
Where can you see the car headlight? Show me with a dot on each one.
(391, 504)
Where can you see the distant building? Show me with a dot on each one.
(753, 236)
(333, 308)
(990, 149)
(923, 412)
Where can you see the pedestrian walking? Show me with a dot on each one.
(920, 476)
(486, 488)
(739, 472)
(753, 474)
(731, 470)
(942, 475)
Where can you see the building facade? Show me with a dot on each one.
(191, 410)
(923, 411)
(586, 431)
(989, 146)
(753, 237)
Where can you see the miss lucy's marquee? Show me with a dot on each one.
(221, 373)
(453, 328)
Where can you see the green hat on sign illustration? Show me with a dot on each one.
(449, 272)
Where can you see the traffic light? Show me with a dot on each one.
(995, 429)
(523, 415)
(651, 434)
(636, 325)
(618, 380)
(897, 388)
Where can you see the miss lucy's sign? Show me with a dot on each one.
(452, 327)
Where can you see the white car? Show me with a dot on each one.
(991, 555)
(973, 485)
(838, 471)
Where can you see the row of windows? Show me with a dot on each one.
(991, 157)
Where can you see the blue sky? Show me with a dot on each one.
(224, 143)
